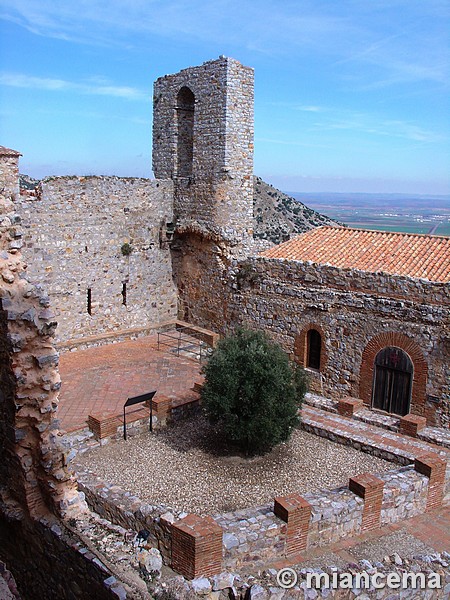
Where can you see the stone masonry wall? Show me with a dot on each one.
(74, 233)
(256, 535)
(49, 563)
(9, 173)
(217, 198)
(200, 270)
(350, 308)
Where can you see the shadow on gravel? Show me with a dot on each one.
(196, 433)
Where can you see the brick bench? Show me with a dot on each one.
(207, 336)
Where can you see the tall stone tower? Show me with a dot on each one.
(203, 140)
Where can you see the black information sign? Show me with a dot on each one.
(137, 400)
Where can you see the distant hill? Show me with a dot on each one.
(27, 183)
(279, 216)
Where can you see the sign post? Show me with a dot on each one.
(137, 400)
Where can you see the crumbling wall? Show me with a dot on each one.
(100, 247)
(34, 476)
(9, 173)
(36, 486)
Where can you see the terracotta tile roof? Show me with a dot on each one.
(8, 152)
(412, 255)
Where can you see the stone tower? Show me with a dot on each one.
(203, 140)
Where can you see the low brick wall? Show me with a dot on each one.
(289, 526)
(106, 426)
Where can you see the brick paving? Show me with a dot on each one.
(100, 379)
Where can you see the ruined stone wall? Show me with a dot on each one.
(34, 478)
(9, 173)
(213, 195)
(48, 563)
(74, 234)
(200, 269)
(350, 309)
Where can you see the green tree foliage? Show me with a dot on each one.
(252, 391)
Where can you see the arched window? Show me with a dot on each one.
(392, 381)
(185, 132)
(313, 350)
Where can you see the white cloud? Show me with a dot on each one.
(378, 126)
(400, 40)
(60, 85)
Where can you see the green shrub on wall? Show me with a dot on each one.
(126, 249)
(252, 391)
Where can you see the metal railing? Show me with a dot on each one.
(182, 343)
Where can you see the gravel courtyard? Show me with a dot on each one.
(186, 466)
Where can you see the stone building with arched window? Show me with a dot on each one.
(365, 312)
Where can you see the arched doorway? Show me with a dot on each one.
(185, 132)
(392, 381)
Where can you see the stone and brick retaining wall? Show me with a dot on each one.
(289, 526)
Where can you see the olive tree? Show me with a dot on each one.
(252, 391)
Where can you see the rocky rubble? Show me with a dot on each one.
(129, 551)
(264, 585)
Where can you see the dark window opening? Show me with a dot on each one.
(392, 382)
(89, 301)
(185, 132)
(124, 294)
(314, 345)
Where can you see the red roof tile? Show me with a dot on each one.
(412, 255)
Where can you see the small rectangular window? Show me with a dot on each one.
(314, 340)
(89, 301)
(124, 294)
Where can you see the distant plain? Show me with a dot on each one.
(387, 212)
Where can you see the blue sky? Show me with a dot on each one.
(350, 95)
